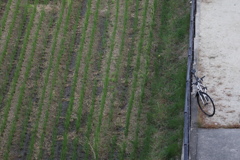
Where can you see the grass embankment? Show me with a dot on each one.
(74, 85)
(94, 79)
(46, 79)
(20, 98)
(5, 15)
(6, 42)
(16, 74)
(71, 44)
(167, 84)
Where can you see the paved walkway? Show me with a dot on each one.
(217, 56)
(218, 53)
(218, 144)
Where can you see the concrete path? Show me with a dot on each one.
(217, 56)
(218, 53)
(218, 144)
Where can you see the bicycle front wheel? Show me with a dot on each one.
(206, 104)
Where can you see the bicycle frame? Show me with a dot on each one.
(200, 87)
(203, 99)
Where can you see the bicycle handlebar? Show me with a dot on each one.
(197, 79)
(202, 78)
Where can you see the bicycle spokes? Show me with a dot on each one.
(204, 100)
(206, 104)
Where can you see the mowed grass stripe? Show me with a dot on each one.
(25, 138)
(135, 78)
(55, 72)
(29, 122)
(131, 51)
(66, 71)
(4, 17)
(85, 76)
(16, 76)
(22, 88)
(75, 78)
(10, 30)
(87, 144)
(64, 82)
(34, 47)
(146, 144)
(137, 66)
(129, 60)
(46, 79)
(119, 60)
(8, 68)
(112, 139)
(106, 81)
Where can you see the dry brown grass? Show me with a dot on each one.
(119, 90)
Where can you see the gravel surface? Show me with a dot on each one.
(218, 36)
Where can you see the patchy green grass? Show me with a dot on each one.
(167, 85)
(87, 79)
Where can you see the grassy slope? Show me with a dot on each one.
(146, 108)
(167, 83)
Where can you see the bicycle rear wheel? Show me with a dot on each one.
(206, 104)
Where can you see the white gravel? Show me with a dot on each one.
(218, 58)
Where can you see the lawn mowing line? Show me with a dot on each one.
(15, 78)
(9, 70)
(112, 150)
(35, 39)
(4, 18)
(24, 136)
(10, 67)
(134, 86)
(135, 26)
(106, 81)
(30, 105)
(144, 153)
(85, 76)
(119, 60)
(94, 89)
(54, 135)
(136, 69)
(75, 78)
(38, 70)
(54, 78)
(65, 81)
(79, 58)
(10, 32)
(56, 33)
(13, 127)
(89, 121)
(130, 56)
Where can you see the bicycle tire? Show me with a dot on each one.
(208, 108)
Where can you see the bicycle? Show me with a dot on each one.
(204, 101)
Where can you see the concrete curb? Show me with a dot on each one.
(194, 107)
